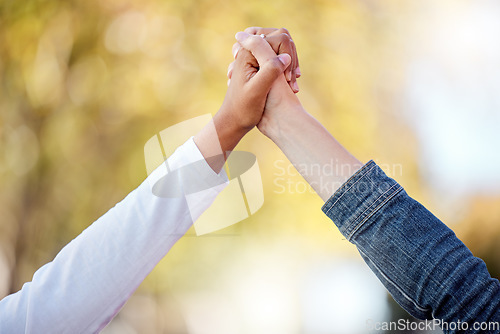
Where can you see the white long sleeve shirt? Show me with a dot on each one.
(92, 277)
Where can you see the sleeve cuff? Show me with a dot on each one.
(368, 190)
(192, 153)
(188, 166)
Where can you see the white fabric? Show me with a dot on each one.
(92, 277)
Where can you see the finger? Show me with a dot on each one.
(297, 67)
(259, 30)
(268, 72)
(235, 49)
(271, 32)
(258, 65)
(284, 31)
(259, 48)
(268, 32)
(281, 43)
(230, 69)
(244, 67)
(293, 82)
(295, 56)
(252, 30)
(291, 68)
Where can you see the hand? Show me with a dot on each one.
(255, 69)
(305, 142)
(281, 101)
(281, 42)
(281, 105)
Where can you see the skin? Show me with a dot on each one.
(256, 68)
(308, 144)
(281, 41)
(285, 121)
(259, 94)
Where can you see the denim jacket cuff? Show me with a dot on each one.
(361, 196)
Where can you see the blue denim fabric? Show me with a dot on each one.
(425, 267)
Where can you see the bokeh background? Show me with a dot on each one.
(84, 84)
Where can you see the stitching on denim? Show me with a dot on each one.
(375, 201)
(388, 198)
(352, 185)
(418, 307)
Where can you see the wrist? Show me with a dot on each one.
(218, 138)
(229, 131)
(277, 126)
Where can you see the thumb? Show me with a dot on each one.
(268, 72)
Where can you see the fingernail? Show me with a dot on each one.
(241, 36)
(284, 58)
(297, 70)
(296, 86)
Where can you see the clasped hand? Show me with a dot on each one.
(262, 79)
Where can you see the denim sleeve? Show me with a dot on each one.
(422, 263)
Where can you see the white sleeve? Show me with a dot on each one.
(92, 277)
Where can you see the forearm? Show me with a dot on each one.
(422, 263)
(255, 69)
(93, 276)
(218, 139)
(323, 162)
(427, 269)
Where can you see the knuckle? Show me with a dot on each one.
(254, 41)
(284, 37)
(252, 30)
(284, 31)
(275, 65)
(243, 55)
(285, 40)
(273, 32)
